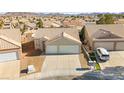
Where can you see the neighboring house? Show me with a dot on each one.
(7, 25)
(27, 36)
(57, 40)
(31, 26)
(10, 53)
(57, 24)
(108, 36)
(73, 23)
(15, 23)
(49, 24)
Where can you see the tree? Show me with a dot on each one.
(100, 15)
(39, 24)
(101, 21)
(1, 24)
(82, 34)
(109, 19)
(106, 19)
(23, 29)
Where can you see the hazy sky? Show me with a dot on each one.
(61, 5)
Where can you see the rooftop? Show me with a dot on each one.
(53, 32)
(13, 34)
(116, 30)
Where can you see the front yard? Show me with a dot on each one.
(37, 61)
(30, 56)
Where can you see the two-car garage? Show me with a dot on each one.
(107, 45)
(63, 45)
(62, 49)
(110, 45)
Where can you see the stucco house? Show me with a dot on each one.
(57, 40)
(109, 36)
(10, 53)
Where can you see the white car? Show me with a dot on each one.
(103, 54)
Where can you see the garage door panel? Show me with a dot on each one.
(120, 46)
(8, 56)
(107, 45)
(69, 49)
(51, 49)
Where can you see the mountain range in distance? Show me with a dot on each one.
(54, 14)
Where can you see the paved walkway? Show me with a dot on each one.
(57, 66)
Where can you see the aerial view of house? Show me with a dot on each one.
(49, 42)
(10, 53)
(110, 36)
(57, 40)
(61, 46)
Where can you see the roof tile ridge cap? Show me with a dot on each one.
(70, 37)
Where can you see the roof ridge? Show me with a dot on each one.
(64, 34)
(70, 37)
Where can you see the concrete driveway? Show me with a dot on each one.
(60, 67)
(116, 59)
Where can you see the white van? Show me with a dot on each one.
(103, 54)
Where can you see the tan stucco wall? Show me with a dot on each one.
(110, 44)
(107, 45)
(10, 70)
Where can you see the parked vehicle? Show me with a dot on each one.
(103, 54)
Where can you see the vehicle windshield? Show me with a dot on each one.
(103, 53)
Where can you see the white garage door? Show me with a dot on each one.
(51, 49)
(68, 49)
(120, 46)
(8, 56)
(107, 45)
